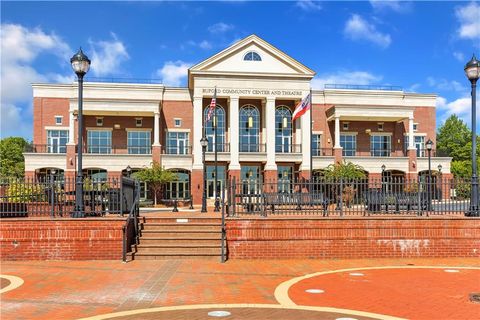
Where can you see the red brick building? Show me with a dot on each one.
(258, 86)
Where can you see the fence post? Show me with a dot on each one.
(223, 226)
(175, 205)
(234, 194)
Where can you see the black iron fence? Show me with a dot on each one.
(130, 229)
(349, 197)
(53, 197)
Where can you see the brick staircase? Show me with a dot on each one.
(176, 238)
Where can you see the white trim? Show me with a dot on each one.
(138, 129)
(177, 130)
(351, 133)
(420, 134)
(99, 128)
(317, 132)
(56, 128)
(381, 133)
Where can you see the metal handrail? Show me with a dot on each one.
(133, 215)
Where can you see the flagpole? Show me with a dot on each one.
(215, 123)
(311, 130)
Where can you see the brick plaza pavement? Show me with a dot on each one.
(247, 289)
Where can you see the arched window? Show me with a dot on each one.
(217, 122)
(283, 130)
(249, 126)
(252, 56)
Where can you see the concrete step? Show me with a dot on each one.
(188, 241)
(144, 256)
(179, 219)
(178, 250)
(217, 227)
(190, 234)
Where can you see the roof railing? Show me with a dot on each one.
(363, 87)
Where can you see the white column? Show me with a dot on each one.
(234, 133)
(306, 140)
(411, 139)
(197, 132)
(156, 129)
(270, 133)
(337, 132)
(71, 128)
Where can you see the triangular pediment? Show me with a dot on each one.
(273, 62)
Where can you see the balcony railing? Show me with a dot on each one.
(248, 147)
(45, 148)
(322, 152)
(177, 150)
(288, 148)
(221, 147)
(360, 152)
(117, 149)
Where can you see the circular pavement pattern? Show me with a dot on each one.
(427, 293)
(8, 283)
(254, 311)
(4, 283)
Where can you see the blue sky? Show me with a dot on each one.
(421, 46)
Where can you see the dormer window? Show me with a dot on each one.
(252, 56)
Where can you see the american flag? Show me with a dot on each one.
(213, 104)
(302, 107)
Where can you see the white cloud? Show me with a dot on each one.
(220, 27)
(107, 56)
(20, 48)
(205, 45)
(469, 18)
(173, 73)
(308, 5)
(446, 85)
(394, 5)
(462, 107)
(459, 56)
(345, 77)
(356, 28)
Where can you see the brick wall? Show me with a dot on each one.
(353, 238)
(65, 239)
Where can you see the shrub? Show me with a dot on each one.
(19, 191)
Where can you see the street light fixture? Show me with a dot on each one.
(383, 176)
(129, 171)
(204, 144)
(472, 71)
(429, 146)
(80, 65)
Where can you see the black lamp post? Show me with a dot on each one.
(80, 65)
(383, 176)
(129, 171)
(472, 70)
(429, 146)
(440, 192)
(204, 144)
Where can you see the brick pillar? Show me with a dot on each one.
(337, 153)
(114, 175)
(71, 157)
(304, 175)
(412, 164)
(270, 175)
(234, 173)
(196, 188)
(30, 174)
(374, 180)
(157, 153)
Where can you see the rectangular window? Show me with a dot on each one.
(380, 145)
(99, 141)
(177, 143)
(345, 125)
(99, 122)
(415, 127)
(178, 122)
(285, 179)
(316, 145)
(138, 122)
(58, 120)
(349, 144)
(419, 145)
(57, 141)
(139, 142)
(380, 126)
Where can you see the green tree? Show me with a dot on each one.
(156, 177)
(347, 170)
(454, 139)
(12, 163)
